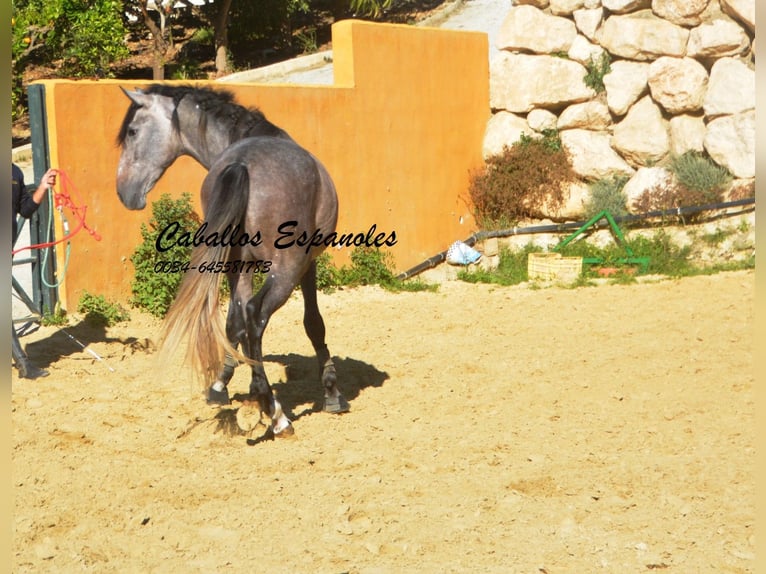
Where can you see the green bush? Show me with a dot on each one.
(154, 291)
(518, 182)
(607, 194)
(100, 311)
(697, 181)
(369, 266)
(700, 175)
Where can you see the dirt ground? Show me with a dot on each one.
(599, 429)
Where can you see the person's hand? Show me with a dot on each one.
(49, 178)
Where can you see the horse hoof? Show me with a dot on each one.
(336, 405)
(218, 398)
(285, 432)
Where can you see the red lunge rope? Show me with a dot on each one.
(64, 199)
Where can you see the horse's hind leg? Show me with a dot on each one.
(334, 402)
(218, 393)
(259, 310)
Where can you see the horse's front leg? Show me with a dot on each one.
(258, 311)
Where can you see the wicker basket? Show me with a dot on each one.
(552, 266)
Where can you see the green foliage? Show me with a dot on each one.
(521, 180)
(699, 174)
(266, 23)
(697, 181)
(155, 291)
(58, 318)
(307, 41)
(92, 36)
(511, 268)
(597, 69)
(327, 274)
(665, 258)
(87, 36)
(100, 311)
(607, 195)
(369, 7)
(369, 266)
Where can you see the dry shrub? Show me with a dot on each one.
(520, 181)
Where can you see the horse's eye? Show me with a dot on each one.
(132, 132)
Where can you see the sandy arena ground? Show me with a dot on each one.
(599, 429)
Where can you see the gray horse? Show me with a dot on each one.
(260, 187)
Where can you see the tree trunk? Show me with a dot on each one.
(160, 47)
(222, 38)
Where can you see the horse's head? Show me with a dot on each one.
(149, 142)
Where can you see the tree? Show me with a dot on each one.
(145, 11)
(87, 36)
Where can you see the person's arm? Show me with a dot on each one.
(27, 208)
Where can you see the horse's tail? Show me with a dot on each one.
(195, 315)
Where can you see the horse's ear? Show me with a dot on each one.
(136, 96)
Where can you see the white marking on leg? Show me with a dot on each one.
(218, 387)
(279, 421)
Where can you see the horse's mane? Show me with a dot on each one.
(217, 105)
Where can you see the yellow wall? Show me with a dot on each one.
(399, 132)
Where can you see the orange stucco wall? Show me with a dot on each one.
(399, 132)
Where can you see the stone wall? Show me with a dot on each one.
(681, 78)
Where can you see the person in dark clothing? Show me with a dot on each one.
(25, 204)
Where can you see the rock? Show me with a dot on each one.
(731, 88)
(542, 4)
(681, 12)
(521, 82)
(642, 36)
(565, 7)
(730, 142)
(716, 39)
(625, 6)
(591, 155)
(526, 28)
(625, 84)
(678, 84)
(583, 51)
(540, 120)
(742, 11)
(646, 179)
(576, 194)
(592, 115)
(588, 21)
(503, 129)
(642, 136)
(686, 133)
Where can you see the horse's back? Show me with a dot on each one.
(286, 184)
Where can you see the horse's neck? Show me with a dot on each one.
(205, 149)
(206, 143)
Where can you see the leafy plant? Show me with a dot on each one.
(596, 70)
(57, 318)
(521, 180)
(511, 268)
(607, 194)
(369, 266)
(697, 182)
(700, 175)
(369, 7)
(92, 37)
(100, 311)
(152, 290)
(307, 41)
